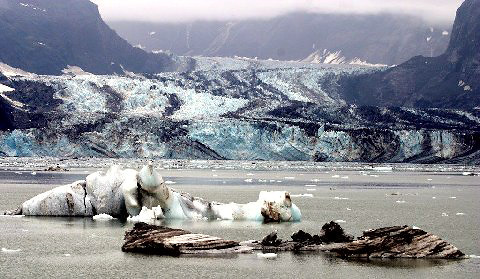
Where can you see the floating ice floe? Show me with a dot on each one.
(145, 196)
(474, 257)
(460, 214)
(67, 255)
(349, 209)
(340, 221)
(400, 201)
(289, 178)
(34, 173)
(344, 177)
(383, 169)
(249, 180)
(335, 176)
(266, 255)
(311, 190)
(5, 250)
(310, 185)
(170, 182)
(444, 214)
(102, 217)
(452, 197)
(340, 198)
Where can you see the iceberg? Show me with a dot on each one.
(143, 196)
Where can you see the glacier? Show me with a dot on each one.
(224, 108)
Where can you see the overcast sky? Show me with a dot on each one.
(190, 10)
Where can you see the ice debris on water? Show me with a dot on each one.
(340, 221)
(5, 250)
(400, 201)
(302, 195)
(444, 214)
(170, 182)
(460, 214)
(340, 198)
(102, 217)
(266, 255)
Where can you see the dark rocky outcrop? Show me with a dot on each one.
(388, 242)
(398, 242)
(451, 80)
(159, 240)
(44, 36)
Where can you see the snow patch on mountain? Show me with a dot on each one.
(335, 57)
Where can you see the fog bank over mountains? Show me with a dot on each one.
(434, 11)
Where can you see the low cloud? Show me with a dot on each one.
(191, 10)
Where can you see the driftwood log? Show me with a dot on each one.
(389, 242)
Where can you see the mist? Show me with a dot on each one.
(175, 11)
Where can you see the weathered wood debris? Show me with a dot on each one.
(389, 242)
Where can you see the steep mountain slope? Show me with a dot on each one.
(451, 80)
(44, 36)
(225, 109)
(377, 39)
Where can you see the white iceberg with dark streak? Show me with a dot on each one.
(144, 196)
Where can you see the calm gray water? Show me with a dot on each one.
(81, 247)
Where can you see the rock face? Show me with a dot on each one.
(451, 80)
(398, 242)
(45, 36)
(157, 240)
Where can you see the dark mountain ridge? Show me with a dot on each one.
(451, 80)
(44, 36)
(380, 39)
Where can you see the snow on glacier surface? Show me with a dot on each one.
(200, 105)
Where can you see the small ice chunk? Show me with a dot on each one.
(310, 185)
(349, 209)
(102, 217)
(302, 195)
(444, 214)
(434, 197)
(344, 177)
(429, 179)
(460, 214)
(34, 173)
(400, 201)
(340, 198)
(335, 176)
(170, 182)
(5, 250)
(445, 33)
(266, 255)
(289, 178)
(248, 180)
(416, 228)
(310, 190)
(250, 174)
(67, 255)
(340, 221)
(453, 197)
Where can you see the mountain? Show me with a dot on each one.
(377, 39)
(45, 36)
(225, 108)
(451, 80)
